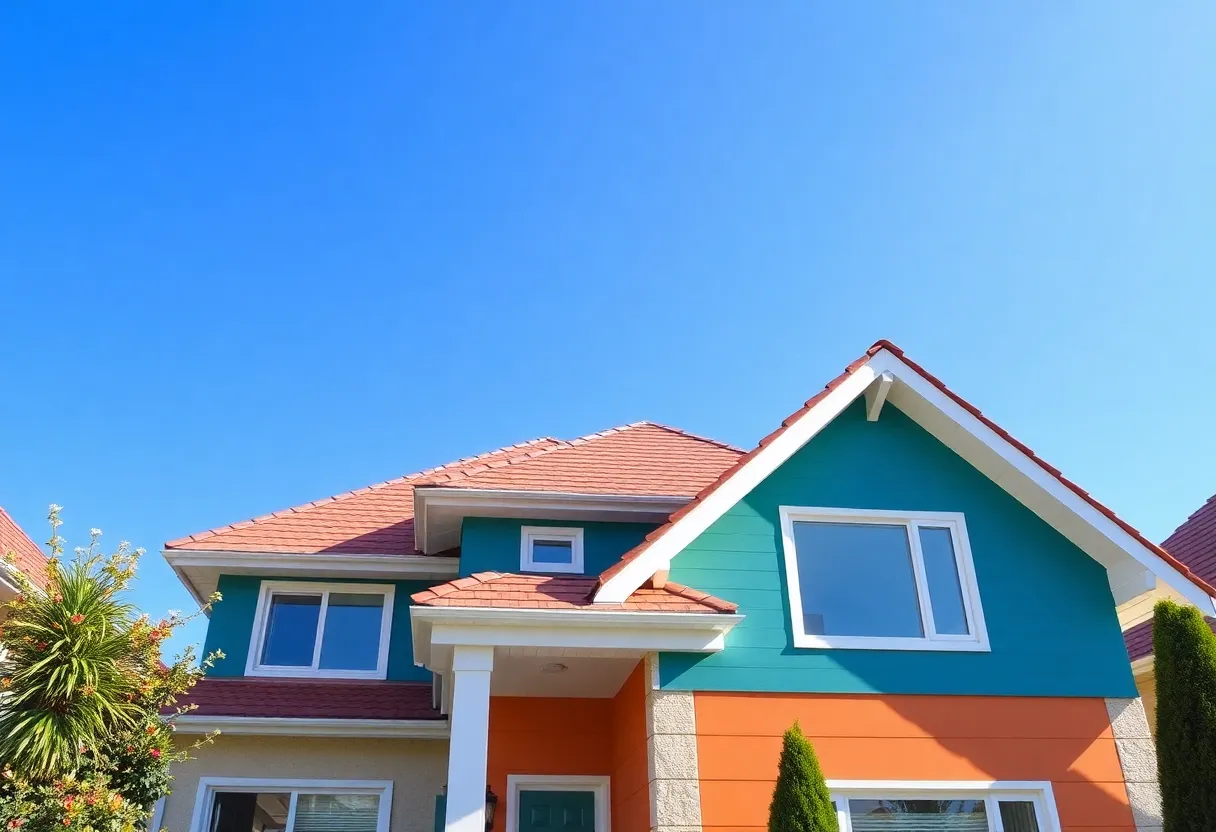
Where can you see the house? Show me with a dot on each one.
(611, 633)
(21, 555)
(1194, 544)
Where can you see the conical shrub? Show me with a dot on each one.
(801, 801)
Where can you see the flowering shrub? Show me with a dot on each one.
(86, 719)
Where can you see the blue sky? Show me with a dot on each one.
(254, 254)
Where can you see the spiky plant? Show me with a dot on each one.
(801, 800)
(85, 722)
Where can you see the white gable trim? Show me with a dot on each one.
(1125, 557)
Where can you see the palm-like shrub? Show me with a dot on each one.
(801, 800)
(86, 715)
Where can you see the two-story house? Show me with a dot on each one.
(611, 633)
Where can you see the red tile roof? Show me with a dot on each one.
(565, 592)
(639, 459)
(29, 558)
(1139, 639)
(312, 699)
(970, 408)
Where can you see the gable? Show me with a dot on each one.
(1050, 617)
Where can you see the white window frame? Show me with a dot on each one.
(598, 784)
(977, 638)
(530, 534)
(204, 800)
(253, 665)
(990, 791)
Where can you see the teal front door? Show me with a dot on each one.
(557, 811)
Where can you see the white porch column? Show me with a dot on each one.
(470, 738)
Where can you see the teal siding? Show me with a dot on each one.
(491, 544)
(231, 626)
(1050, 615)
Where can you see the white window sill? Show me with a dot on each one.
(874, 643)
(309, 673)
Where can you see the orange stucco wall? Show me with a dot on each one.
(538, 735)
(860, 737)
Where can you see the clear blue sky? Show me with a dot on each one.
(254, 254)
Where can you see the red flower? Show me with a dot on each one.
(77, 619)
(155, 752)
(16, 823)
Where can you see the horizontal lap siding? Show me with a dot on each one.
(1066, 741)
(630, 771)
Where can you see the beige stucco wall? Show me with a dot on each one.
(418, 769)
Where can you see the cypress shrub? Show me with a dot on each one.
(801, 802)
(1185, 659)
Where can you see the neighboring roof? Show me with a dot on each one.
(567, 592)
(643, 459)
(870, 356)
(1139, 639)
(1194, 542)
(312, 699)
(30, 559)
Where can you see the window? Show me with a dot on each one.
(549, 549)
(881, 580)
(243, 805)
(944, 807)
(327, 630)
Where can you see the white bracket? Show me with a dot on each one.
(876, 395)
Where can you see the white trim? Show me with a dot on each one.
(977, 638)
(1026, 480)
(158, 815)
(310, 727)
(516, 502)
(208, 786)
(253, 667)
(1038, 792)
(876, 396)
(599, 785)
(685, 530)
(528, 537)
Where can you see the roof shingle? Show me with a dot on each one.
(565, 592)
(643, 459)
(312, 699)
(29, 558)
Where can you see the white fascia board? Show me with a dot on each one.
(534, 501)
(588, 629)
(1064, 497)
(403, 566)
(305, 727)
(685, 530)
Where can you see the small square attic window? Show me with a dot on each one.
(550, 549)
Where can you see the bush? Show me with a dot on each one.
(86, 720)
(801, 801)
(1184, 650)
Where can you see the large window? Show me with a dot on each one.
(549, 549)
(244, 805)
(944, 807)
(881, 580)
(326, 630)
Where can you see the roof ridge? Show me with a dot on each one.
(418, 475)
(699, 437)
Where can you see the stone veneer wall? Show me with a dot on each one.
(671, 745)
(1138, 758)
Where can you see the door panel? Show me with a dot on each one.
(546, 811)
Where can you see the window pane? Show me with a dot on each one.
(552, 551)
(945, 590)
(856, 580)
(291, 630)
(336, 813)
(352, 631)
(918, 816)
(249, 812)
(1018, 816)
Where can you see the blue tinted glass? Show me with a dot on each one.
(857, 580)
(291, 630)
(352, 631)
(941, 573)
(552, 551)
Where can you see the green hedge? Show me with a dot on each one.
(801, 801)
(1184, 648)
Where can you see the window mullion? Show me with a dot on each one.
(291, 812)
(922, 581)
(316, 648)
(966, 580)
(993, 810)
